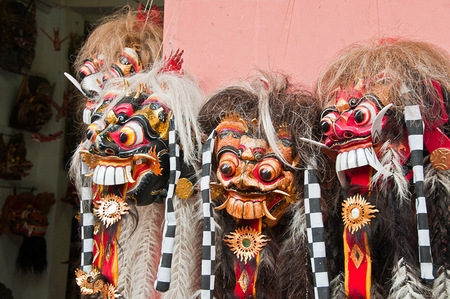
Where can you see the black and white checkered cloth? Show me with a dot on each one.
(315, 230)
(415, 127)
(209, 248)
(87, 220)
(163, 278)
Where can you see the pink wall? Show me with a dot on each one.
(228, 39)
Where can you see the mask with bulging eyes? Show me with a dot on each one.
(352, 125)
(129, 151)
(92, 79)
(256, 184)
(129, 63)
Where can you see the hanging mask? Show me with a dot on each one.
(351, 125)
(129, 151)
(127, 158)
(18, 35)
(385, 123)
(92, 79)
(33, 107)
(255, 182)
(14, 163)
(138, 152)
(26, 215)
(123, 45)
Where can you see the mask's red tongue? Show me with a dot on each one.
(247, 273)
(105, 241)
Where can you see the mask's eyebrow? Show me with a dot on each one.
(233, 127)
(327, 110)
(227, 149)
(372, 97)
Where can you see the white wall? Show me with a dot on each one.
(48, 173)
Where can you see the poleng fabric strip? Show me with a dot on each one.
(315, 232)
(209, 250)
(87, 220)
(415, 127)
(163, 279)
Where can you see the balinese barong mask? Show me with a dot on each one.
(256, 183)
(386, 118)
(130, 148)
(92, 79)
(352, 124)
(256, 153)
(123, 45)
(137, 151)
(26, 215)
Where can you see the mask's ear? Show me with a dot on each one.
(209, 235)
(415, 127)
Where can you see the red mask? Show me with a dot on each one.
(352, 125)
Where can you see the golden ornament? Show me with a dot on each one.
(356, 213)
(184, 188)
(111, 117)
(110, 291)
(91, 160)
(440, 158)
(244, 281)
(246, 242)
(87, 282)
(357, 256)
(78, 217)
(110, 209)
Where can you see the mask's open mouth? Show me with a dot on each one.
(255, 204)
(29, 228)
(118, 180)
(111, 170)
(357, 156)
(353, 157)
(353, 142)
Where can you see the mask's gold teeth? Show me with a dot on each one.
(281, 192)
(222, 206)
(137, 156)
(289, 197)
(138, 93)
(266, 211)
